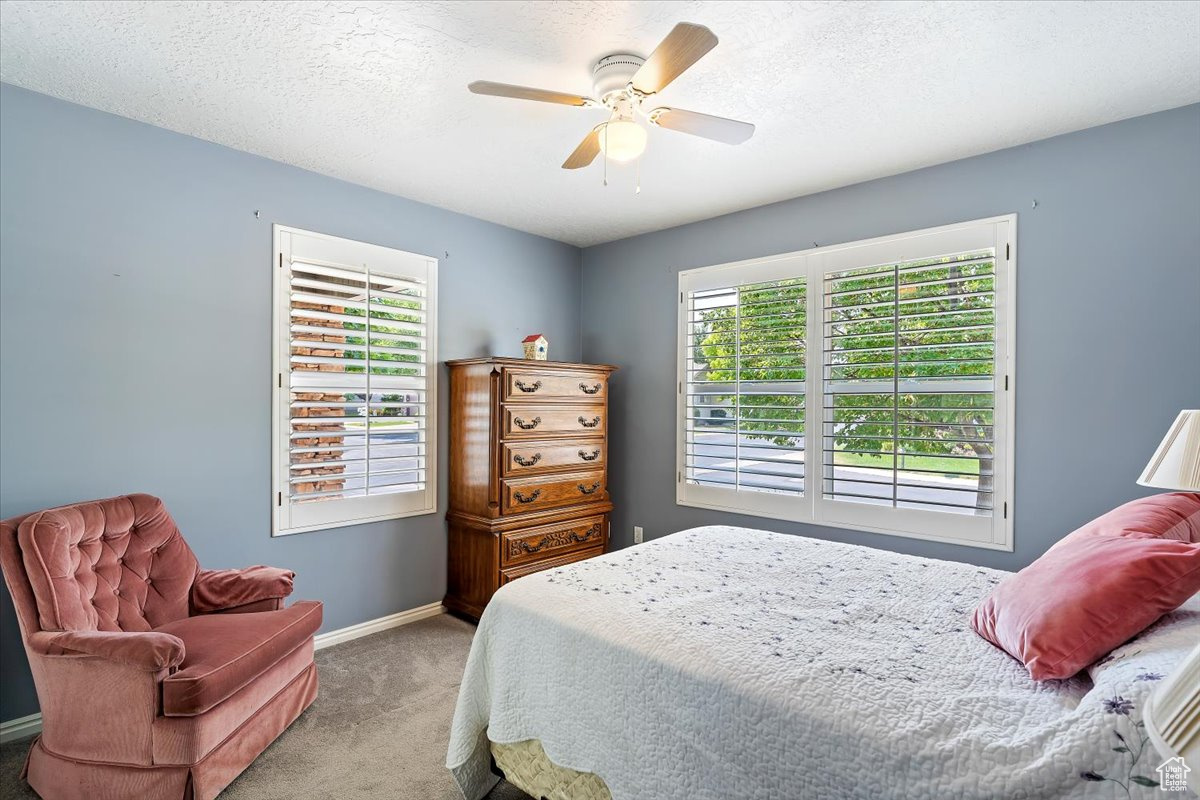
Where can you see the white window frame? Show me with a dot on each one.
(358, 510)
(994, 532)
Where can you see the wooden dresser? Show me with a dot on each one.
(528, 472)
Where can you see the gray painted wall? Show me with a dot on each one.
(129, 364)
(135, 305)
(1108, 318)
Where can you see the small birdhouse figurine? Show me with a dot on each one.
(536, 346)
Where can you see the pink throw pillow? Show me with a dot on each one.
(1174, 515)
(1085, 596)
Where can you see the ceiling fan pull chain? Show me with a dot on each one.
(605, 134)
(638, 190)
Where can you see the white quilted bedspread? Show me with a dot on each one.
(732, 663)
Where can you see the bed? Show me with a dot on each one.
(726, 662)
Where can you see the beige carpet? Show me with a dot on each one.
(378, 730)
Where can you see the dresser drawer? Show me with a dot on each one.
(529, 421)
(532, 458)
(533, 384)
(511, 574)
(533, 494)
(550, 541)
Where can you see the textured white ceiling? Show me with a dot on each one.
(375, 93)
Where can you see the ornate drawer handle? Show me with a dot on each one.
(523, 499)
(595, 454)
(595, 388)
(523, 546)
(527, 462)
(528, 426)
(531, 387)
(553, 539)
(588, 534)
(586, 490)
(595, 421)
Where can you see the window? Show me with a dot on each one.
(744, 385)
(866, 385)
(355, 329)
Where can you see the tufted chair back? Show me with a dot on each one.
(108, 565)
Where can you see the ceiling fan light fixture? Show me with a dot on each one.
(622, 140)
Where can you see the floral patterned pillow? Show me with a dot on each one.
(1123, 682)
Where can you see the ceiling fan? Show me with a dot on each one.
(624, 83)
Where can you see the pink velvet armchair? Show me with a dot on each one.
(156, 679)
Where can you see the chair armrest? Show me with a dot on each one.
(146, 650)
(227, 589)
(270, 604)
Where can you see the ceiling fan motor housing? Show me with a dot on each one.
(613, 73)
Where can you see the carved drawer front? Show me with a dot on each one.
(551, 541)
(532, 458)
(529, 421)
(513, 573)
(533, 494)
(532, 384)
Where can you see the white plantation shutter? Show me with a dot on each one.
(906, 410)
(743, 390)
(910, 377)
(355, 333)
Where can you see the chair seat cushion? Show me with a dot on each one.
(227, 651)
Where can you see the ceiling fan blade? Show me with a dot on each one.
(587, 151)
(720, 129)
(684, 46)
(526, 93)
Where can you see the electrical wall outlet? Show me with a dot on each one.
(637, 534)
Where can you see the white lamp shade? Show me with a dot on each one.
(1176, 462)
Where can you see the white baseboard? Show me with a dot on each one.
(330, 638)
(20, 728)
(24, 727)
